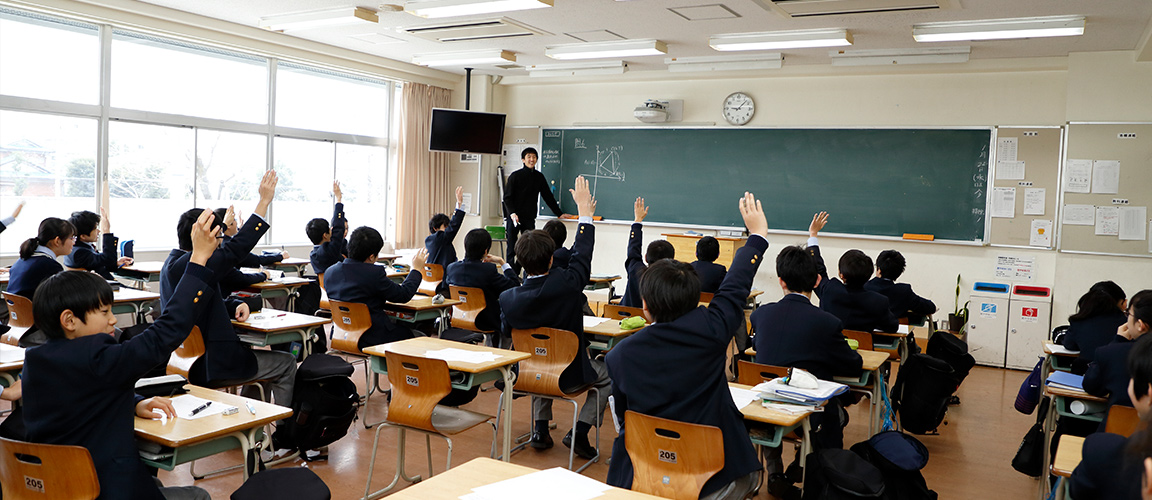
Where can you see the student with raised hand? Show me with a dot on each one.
(674, 368)
(902, 301)
(1107, 375)
(858, 308)
(84, 254)
(8, 221)
(330, 244)
(480, 269)
(231, 228)
(38, 256)
(1098, 314)
(559, 234)
(443, 230)
(81, 382)
(634, 265)
(554, 298)
(524, 187)
(711, 274)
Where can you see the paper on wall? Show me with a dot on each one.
(1004, 202)
(1078, 176)
(1106, 176)
(1107, 221)
(1132, 223)
(1010, 170)
(1014, 268)
(1006, 148)
(466, 205)
(1041, 235)
(1034, 201)
(1079, 215)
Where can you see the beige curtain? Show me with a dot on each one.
(422, 175)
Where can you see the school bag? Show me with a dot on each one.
(899, 457)
(921, 392)
(839, 474)
(950, 349)
(324, 404)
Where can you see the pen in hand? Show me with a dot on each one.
(202, 408)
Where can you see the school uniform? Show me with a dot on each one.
(361, 282)
(260, 260)
(5, 222)
(332, 251)
(1108, 376)
(1089, 334)
(521, 192)
(561, 257)
(857, 308)
(711, 275)
(675, 370)
(1106, 469)
(80, 391)
(25, 275)
(439, 244)
(902, 301)
(485, 276)
(634, 266)
(795, 333)
(85, 256)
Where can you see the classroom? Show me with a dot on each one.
(149, 108)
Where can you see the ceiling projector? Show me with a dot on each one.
(652, 111)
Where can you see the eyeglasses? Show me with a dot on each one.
(73, 238)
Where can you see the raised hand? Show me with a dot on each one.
(267, 192)
(459, 195)
(753, 215)
(19, 207)
(639, 210)
(419, 260)
(204, 240)
(818, 222)
(336, 191)
(585, 203)
(105, 224)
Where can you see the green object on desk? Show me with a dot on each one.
(632, 323)
(497, 232)
(853, 343)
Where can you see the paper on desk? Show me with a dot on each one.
(461, 355)
(591, 321)
(185, 403)
(743, 397)
(560, 483)
(1059, 349)
(791, 409)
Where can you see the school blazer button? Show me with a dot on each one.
(199, 293)
(195, 300)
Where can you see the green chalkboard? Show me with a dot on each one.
(883, 182)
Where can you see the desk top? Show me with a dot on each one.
(150, 267)
(1055, 349)
(610, 328)
(293, 261)
(1068, 452)
(1071, 393)
(419, 346)
(125, 294)
(459, 480)
(872, 359)
(176, 432)
(276, 321)
(756, 411)
(421, 303)
(12, 366)
(387, 256)
(603, 279)
(285, 282)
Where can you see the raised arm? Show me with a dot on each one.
(818, 222)
(580, 265)
(727, 304)
(633, 255)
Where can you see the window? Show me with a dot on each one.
(49, 59)
(304, 192)
(228, 169)
(363, 175)
(150, 181)
(314, 99)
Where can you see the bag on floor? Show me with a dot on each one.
(1029, 393)
(921, 392)
(839, 474)
(900, 458)
(950, 349)
(1030, 456)
(324, 404)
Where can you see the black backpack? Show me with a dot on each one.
(921, 392)
(324, 404)
(950, 349)
(839, 474)
(899, 458)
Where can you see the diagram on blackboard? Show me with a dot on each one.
(607, 164)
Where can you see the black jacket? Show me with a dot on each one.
(485, 276)
(522, 189)
(356, 281)
(795, 333)
(634, 266)
(332, 251)
(858, 308)
(711, 275)
(84, 256)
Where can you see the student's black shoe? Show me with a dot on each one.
(583, 448)
(780, 487)
(541, 440)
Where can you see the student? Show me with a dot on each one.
(84, 254)
(1107, 375)
(711, 274)
(227, 360)
(80, 383)
(633, 265)
(233, 280)
(1098, 314)
(485, 271)
(554, 298)
(252, 259)
(359, 279)
(330, 244)
(439, 245)
(8, 221)
(902, 301)
(674, 368)
(857, 308)
(521, 192)
(38, 256)
(559, 234)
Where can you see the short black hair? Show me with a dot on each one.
(184, 227)
(477, 243)
(526, 151)
(316, 229)
(534, 251)
(363, 243)
(77, 291)
(436, 221)
(670, 289)
(891, 264)
(797, 268)
(557, 230)
(707, 249)
(1103, 298)
(84, 221)
(1140, 365)
(856, 266)
(659, 249)
(1111, 288)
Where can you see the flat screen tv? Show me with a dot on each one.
(459, 131)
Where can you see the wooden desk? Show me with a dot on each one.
(387, 258)
(605, 336)
(782, 423)
(685, 245)
(1056, 357)
(475, 373)
(141, 273)
(460, 480)
(897, 342)
(1068, 450)
(280, 327)
(132, 301)
(421, 308)
(283, 287)
(291, 265)
(194, 439)
(599, 281)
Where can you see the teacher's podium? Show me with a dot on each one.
(685, 245)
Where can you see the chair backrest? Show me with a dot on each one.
(705, 298)
(430, 279)
(43, 471)
(754, 373)
(1122, 420)
(615, 311)
(19, 310)
(863, 338)
(325, 304)
(472, 302)
(349, 321)
(418, 384)
(551, 350)
(182, 359)
(671, 459)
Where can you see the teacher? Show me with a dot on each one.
(520, 193)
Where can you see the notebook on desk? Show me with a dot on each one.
(1066, 380)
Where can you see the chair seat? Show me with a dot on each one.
(452, 420)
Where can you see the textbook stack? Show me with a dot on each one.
(777, 394)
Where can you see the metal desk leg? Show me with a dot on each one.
(805, 449)
(506, 412)
(1049, 420)
(874, 418)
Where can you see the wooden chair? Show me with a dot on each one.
(615, 311)
(750, 373)
(551, 350)
(1122, 420)
(325, 304)
(20, 318)
(431, 277)
(472, 302)
(671, 459)
(706, 298)
(30, 471)
(863, 338)
(349, 322)
(418, 384)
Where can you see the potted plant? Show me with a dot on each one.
(959, 317)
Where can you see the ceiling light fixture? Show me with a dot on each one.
(477, 57)
(999, 29)
(578, 69)
(619, 48)
(318, 19)
(725, 63)
(779, 40)
(452, 8)
(891, 57)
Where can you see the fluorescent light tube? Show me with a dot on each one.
(893, 57)
(477, 57)
(725, 63)
(594, 50)
(780, 40)
(998, 29)
(318, 19)
(453, 8)
(578, 69)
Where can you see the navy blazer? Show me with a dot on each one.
(81, 391)
(332, 251)
(711, 275)
(1108, 376)
(232, 280)
(561, 257)
(439, 244)
(634, 266)
(556, 300)
(1087, 335)
(902, 301)
(364, 283)
(793, 332)
(226, 360)
(485, 276)
(84, 256)
(26, 274)
(675, 370)
(858, 308)
(259, 259)
(1107, 470)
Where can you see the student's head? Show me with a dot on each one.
(796, 269)
(1140, 369)
(184, 227)
(364, 243)
(87, 225)
(1113, 290)
(534, 251)
(1103, 298)
(229, 229)
(890, 264)
(557, 230)
(659, 249)
(707, 249)
(670, 289)
(56, 234)
(73, 304)
(318, 231)
(477, 243)
(438, 222)
(529, 156)
(855, 268)
(1139, 314)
